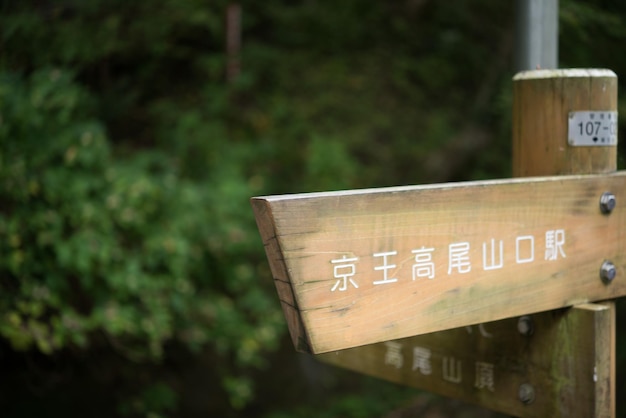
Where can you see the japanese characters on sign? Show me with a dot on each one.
(445, 366)
(458, 258)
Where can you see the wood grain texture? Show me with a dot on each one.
(564, 361)
(278, 268)
(542, 101)
(305, 233)
(541, 105)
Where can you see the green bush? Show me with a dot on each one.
(100, 249)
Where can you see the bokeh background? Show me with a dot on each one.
(133, 280)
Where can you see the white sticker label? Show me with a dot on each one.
(592, 129)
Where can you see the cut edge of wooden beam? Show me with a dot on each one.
(282, 281)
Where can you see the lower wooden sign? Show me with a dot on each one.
(551, 364)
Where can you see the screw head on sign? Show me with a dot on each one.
(526, 393)
(607, 202)
(608, 271)
(525, 326)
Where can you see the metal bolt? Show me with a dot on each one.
(526, 393)
(607, 202)
(525, 326)
(608, 271)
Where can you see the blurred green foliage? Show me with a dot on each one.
(127, 161)
(122, 250)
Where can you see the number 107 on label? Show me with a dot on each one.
(592, 128)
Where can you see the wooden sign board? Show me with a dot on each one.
(364, 266)
(563, 369)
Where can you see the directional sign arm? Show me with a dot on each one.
(360, 267)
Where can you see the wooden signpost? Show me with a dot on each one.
(383, 264)
(388, 265)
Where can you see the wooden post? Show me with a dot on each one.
(542, 102)
(545, 103)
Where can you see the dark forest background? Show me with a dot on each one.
(133, 280)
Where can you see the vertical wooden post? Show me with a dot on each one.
(542, 101)
(542, 104)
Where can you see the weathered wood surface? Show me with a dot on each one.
(567, 361)
(542, 101)
(364, 266)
